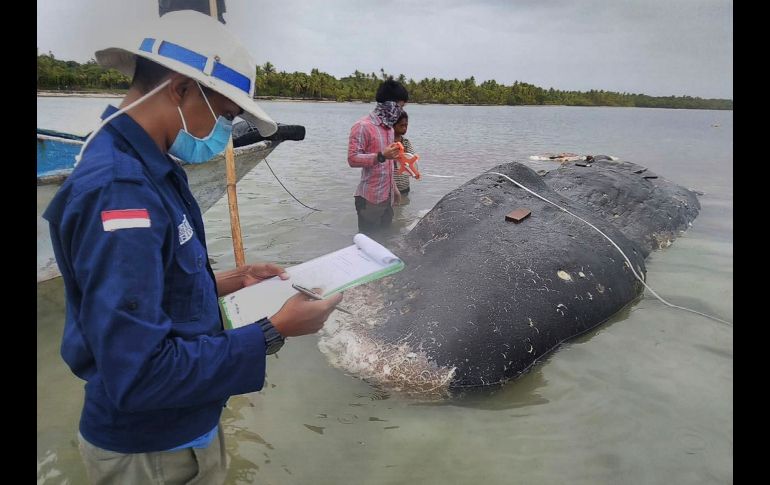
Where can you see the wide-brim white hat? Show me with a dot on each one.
(200, 47)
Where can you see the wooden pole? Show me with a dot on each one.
(232, 196)
(232, 202)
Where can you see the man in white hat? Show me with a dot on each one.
(142, 324)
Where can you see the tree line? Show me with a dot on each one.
(55, 74)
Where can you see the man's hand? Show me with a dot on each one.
(301, 315)
(254, 273)
(391, 151)
(235, 279)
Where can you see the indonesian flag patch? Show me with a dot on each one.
(125, 219)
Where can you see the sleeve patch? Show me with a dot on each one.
(125, 219)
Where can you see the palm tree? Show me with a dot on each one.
(298, 82)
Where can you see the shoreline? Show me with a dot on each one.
(108, 94)
(96, 94)
(78, 94)
(302, 100)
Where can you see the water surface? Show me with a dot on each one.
(645, 398)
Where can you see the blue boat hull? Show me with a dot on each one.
(207, 183)
(56, 152)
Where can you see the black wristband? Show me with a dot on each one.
(380, 157)
(273, 339)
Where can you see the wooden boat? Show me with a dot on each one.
(56, 153)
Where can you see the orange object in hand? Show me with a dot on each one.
(407, 161)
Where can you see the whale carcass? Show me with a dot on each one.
(482, 299)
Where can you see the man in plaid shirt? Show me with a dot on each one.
(369, 146)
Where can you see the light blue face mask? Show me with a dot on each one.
(192, 149)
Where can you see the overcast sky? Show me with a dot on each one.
(655, 47)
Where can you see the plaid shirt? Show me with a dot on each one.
(367, 137)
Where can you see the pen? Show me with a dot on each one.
(315, 296)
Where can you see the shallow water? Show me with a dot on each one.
(645, 398)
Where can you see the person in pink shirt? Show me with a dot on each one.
(371, 143)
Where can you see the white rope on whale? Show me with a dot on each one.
(628, 261)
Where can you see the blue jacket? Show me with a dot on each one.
(143, 326)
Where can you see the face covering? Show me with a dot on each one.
(388, 112)
(192, 149)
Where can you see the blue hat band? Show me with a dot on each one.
(198, 61)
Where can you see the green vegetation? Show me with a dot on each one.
(54, 74)
(72, 76)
